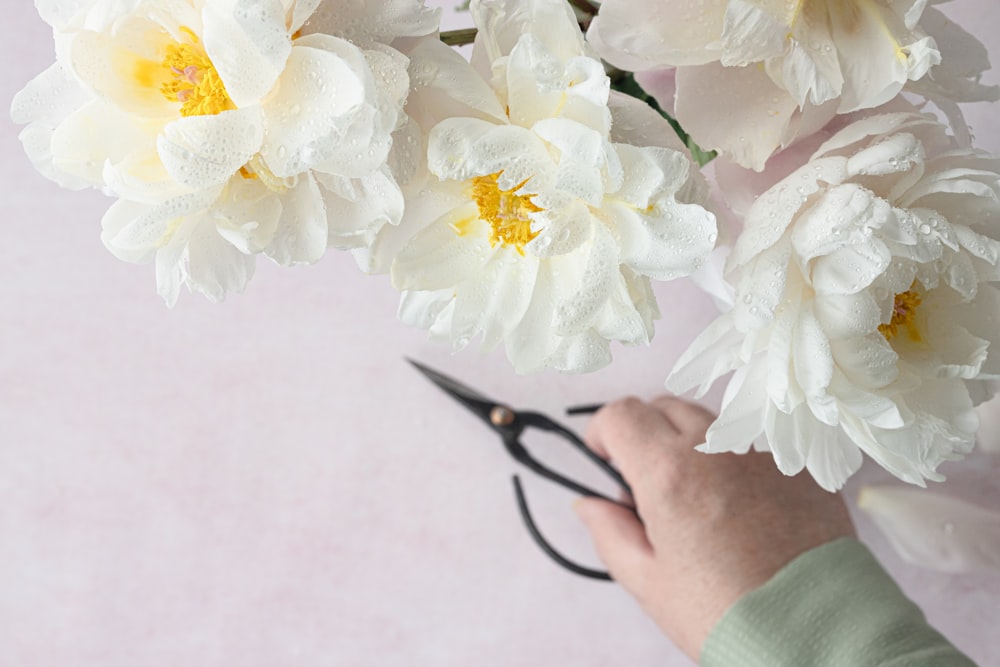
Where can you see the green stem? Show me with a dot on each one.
(585, 6)
(459, 37)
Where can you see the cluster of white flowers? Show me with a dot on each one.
(520, 199)
(226, 128)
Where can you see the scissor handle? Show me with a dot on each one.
(544, 423)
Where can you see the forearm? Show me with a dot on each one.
(833, 606)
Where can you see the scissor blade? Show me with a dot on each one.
(463, 393)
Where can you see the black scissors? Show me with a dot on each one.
(510, 424)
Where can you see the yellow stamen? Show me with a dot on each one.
(257, 169)
(509, 214)
(904, 310)
(193, 80)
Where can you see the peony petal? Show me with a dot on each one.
(752, 33)
(585, 159)
(540, 86)
(788, 436)
(741, 419)
(713, 353)
(131, 230)
(585, 352)
(532, 342)
(638, 124)
(302, 233)
(463, 148)
(738, 111)
(812, 356)
(206, 263)
(325, 84)
(493, 302)
(933, 530)
(653, 34)
(660, 237)
(247, 215)
(503, 23)
(444, 86)
(99, 134)
(357, 206)
(875, 63)
(374, 21)
(203, 151)
(444, 254)
(249, 44)
(587, 277)
(810, 70)
(832, 458)
(866, 361)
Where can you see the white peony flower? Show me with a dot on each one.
(83, 14)
(755, 74)
(865, 318)
(540, 227)
(227, 123)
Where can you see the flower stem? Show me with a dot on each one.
(459, 37)
(585, 6)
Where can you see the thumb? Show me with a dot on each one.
(620, 540)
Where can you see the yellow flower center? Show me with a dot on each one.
(193, 80)
(509, 214)
(903, 311)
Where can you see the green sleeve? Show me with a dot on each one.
(833, 606)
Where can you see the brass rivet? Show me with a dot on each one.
(501, 416)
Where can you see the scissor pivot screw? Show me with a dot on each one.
(501, 416)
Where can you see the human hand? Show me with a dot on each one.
(714, 526)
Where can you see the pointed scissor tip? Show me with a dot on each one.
(450, 385)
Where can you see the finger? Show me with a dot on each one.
(687, 417)
(630, 433)
(620, 541)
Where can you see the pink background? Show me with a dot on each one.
(266, 482)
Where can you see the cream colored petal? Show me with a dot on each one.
(503, 23)
(202, 260)
(738, 111)
(446, 253)
(742, 417)
(374, 21)
(445, 86)
(638, 35)
(302, 233)
(44, 104)
(203, 151)
(493, 301)
(322, 92)
(715, 352)
(752, 32)
(129, 79)
(357, 206)
(933, 530)
(877, 55)
(248, 43)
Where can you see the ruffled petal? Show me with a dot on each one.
(653, 34)
(203, 151)
(747, 131)
(444, 254)
(323, 87)
(301, 236)
(374, 21)
(249, 44)
(357, 207)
